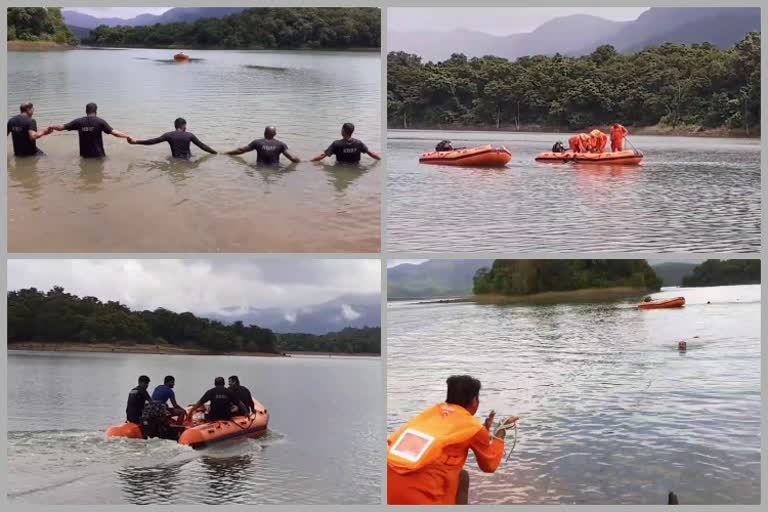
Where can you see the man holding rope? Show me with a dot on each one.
(426, 456)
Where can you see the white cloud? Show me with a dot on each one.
(348, 313)
(290, 317)
(203, 286)
(118, 12)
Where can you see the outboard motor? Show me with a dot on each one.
(444, 145)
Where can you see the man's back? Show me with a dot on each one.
(163, 393)
(268, 151)
(137, 397)
(221, 400)
(89, 130)
(347, 151)
(244, 395)
(19, 127)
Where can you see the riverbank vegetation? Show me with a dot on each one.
(334, 28)
(58, 317)
(724, 272)
(513, 278)
(38, 25)
(673, 86)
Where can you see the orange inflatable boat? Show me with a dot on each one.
(199, 433)
(181, 57)
(481, 156)
(677, 302)
(627, 157)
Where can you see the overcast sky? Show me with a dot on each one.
(494, 20)
(118, 12)
(202, 286)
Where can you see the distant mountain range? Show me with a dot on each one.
(433, 278)
(580, 34)
(355, 310)
(454, 278)
(176, 15)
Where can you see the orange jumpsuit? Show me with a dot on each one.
(599, 141)
(586, 142)
(574, 144)
(437, 482)
(618, 132)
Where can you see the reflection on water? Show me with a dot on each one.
(689, 195)
(611, 412)
(61, 203)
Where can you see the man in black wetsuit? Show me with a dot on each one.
(89, 130)
(347, 149)
(178, 139)
(241, 392)
(137, 397)
(222, 400)
(23, 131)
(268, 149)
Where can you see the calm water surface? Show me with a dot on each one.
(611, 412)
(139, 199)
(324, 444)
(689, 195)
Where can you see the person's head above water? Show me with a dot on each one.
(91, 108)
(270, 132)
(169, 381)
(218, 381)
(180, 123)
(463, 390)
(347, 129)
(27, 108)
(234, 381)
(144, 381)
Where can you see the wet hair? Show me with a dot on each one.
(462, 389)
(270, 131)
(235, 379)
(91, 108)
(347, 128)
(26, 106)
(143, 379)
(168, 379)
(179, 122)
(218, 381)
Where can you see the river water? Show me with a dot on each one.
(689, 195)
(140, 200)
(323, 446)
(611, 412)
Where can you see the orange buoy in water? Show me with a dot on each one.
(181, 57)
(481, 156)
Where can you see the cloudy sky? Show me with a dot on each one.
(503, 21)
(118, 12)
(202, 286)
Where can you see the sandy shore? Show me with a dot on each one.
(38, 46)
(568, 297)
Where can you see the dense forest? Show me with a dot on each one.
(38, 24)
(724, 272)
(60, 317)
(526, 277)
(671, 85)
(350, 341)
(258, 28)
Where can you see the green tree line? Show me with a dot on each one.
(60, 317)
(38, 24)
(724, 272)
(526, 277)
(348, 341)
(673, 85)
(258, 28)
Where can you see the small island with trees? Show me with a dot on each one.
(60, 321)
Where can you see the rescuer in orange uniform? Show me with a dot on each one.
(426, 456)
(599, 141)
(618, 132)
(574, 144)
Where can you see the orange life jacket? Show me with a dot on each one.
(422, 441)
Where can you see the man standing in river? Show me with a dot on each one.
(89, 130)
(268, 149)
(179, 140)
(23, 131)
(347, 150)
